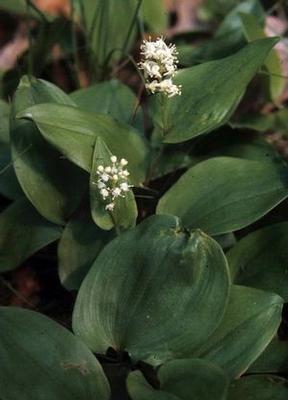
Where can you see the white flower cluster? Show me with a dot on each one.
(113, 181)
(159, 65)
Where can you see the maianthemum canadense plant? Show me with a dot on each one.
(161, 207)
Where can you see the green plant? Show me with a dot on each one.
(163, 210)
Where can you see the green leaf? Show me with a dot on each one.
(46, 361)
(107, 25)
(9, 186)
(111, 97)
(125, 211)
(4, 117)
(156, 291)
(181, 379)
(274, 359)
(275, 121)
(217, 197)
(193, 379)
(263, 387)
(140, 389)
(260, 259)
(74, 133)
(254, 31)
(228, 38)
(155, 15)
(207, 100)
(80, 244)
(249, 324)
(22, 233)
(47, 179)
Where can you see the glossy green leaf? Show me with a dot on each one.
(157, 291)
(262, 387)
(42, 360)
(207, 100)
(22, 233)
(125, 211)
(249, 324)
(74, 133)
(218, 197)
(80, 244)
(47, 179)
(110, 97)
(254, 31)
(260, 259)
(274, 358)
(192, 379)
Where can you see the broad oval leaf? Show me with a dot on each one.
(22, 233)
(157, 291)
(125, 212)
(47, 179)
(249, 324)
(79, 245)
(260, 259)
(210, 93)
(74, 133)
(259, 387)
(224, 194)
(110, 97)
(190, 379)
(46, 361)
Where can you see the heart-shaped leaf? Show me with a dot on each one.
(207, 99)
(22, 233)
(47, 179)
(191, 379)
(225, 194)
(249, 324)
(157, 291)
(74, 133)
(42, 360)
(260, 259)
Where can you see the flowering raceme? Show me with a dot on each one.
(113, 181)
(159, 65)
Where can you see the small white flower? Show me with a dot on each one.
(110, 207)
(123, 162)
(116, 192)
(124, 186)
(104, 193)
(100, 168)
(104, 177)
(100, 185)
(108, 169)
(113, 159)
